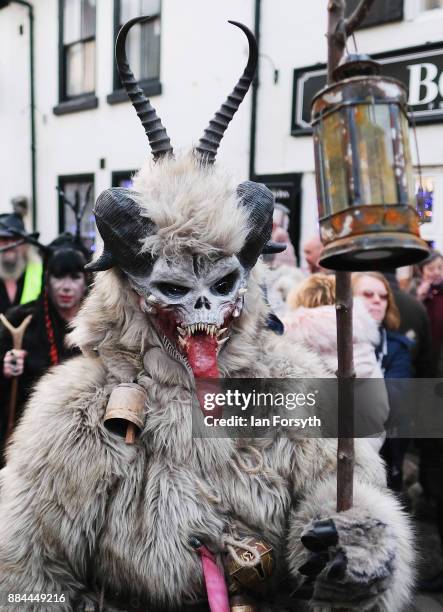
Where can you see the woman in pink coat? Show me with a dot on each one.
(311, 319)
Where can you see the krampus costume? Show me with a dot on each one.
(115, 526)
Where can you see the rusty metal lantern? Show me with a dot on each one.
(365, 184)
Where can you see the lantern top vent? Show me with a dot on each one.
(356, 64)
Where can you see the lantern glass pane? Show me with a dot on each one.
(375, 155)
(335, 180)
(408, 174)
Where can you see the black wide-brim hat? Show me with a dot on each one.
(12, 226)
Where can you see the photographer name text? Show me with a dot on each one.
(253, 421)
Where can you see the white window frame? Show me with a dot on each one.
(415, 9)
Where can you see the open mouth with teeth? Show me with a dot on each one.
(201, 343)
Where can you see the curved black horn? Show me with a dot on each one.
(156, 133)
(122, 229)
(258, 201)
(210, 141)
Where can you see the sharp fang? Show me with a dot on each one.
(221, 331)
(182, 341)
(242, 290)
(181, 330)
(151, 298)
(221, 342)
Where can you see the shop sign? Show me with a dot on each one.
(420, 69)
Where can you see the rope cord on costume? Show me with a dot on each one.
(53, 352)
(230, 542)
(256, 469)
(210, 496)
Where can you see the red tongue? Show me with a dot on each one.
(202, 357)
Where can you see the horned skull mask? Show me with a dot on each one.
(192, 297)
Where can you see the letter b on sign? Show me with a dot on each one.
(423, 87)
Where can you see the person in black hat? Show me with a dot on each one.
(20, 276)
(65, 285)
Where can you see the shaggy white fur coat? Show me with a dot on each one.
(81, 512)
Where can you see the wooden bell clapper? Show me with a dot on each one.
(17, 334)
(125, 411)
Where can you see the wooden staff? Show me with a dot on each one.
(17, 334)
(338, 29)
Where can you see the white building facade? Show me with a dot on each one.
(188, 59)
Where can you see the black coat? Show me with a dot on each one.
(37, 360)
(5, 303)
(415, 325)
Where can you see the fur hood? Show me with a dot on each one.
(317, 326)
(317, 329)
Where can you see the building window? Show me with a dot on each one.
(382, 11)
(142, 46)
(425, 193)
(123, 178)
(432, 4)
(77, 56)
(76, 201)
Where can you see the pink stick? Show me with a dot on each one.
(216, 589)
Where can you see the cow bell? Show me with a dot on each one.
(125, 412)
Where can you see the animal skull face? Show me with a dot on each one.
(193, 300)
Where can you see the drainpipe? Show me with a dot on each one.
(255, 84)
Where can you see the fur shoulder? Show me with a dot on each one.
(51, 408)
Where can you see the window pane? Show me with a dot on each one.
(80, 69)
(71, 21)
(134, 8)
(432, 4)
(143, 43)
(74, 70)
(382, 11)
(334, 166)
(425, 193)
(150, 7)
(143, 49)
(375, 149)
(89, 66)
(81, 193)
(88, 18)
(150, 50)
